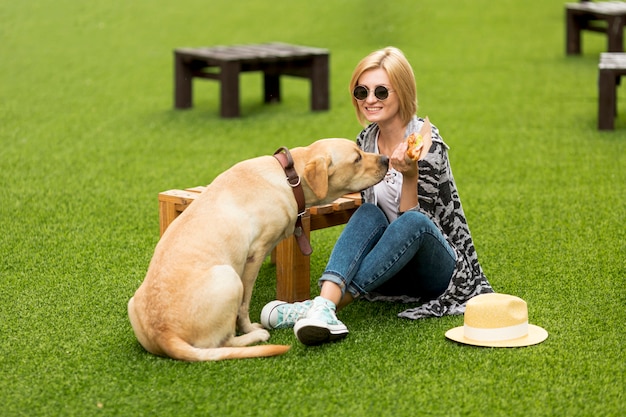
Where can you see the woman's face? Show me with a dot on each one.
(374, 109)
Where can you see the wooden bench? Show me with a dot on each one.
(611, 68)
(292, 267)
(606, 17)
(225, 63)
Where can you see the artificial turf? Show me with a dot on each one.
(89, 137)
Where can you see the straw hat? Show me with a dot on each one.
(497, 320)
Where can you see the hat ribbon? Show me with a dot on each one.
(498, 334)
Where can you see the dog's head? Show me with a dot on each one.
(331, 168)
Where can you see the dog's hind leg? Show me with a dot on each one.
(248, 278)
(227, 291)
(214, 306)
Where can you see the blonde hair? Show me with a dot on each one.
(400, 73)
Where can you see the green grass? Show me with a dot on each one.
(88, 138)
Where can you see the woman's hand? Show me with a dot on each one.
(402, 163)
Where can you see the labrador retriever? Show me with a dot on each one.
(196, 294)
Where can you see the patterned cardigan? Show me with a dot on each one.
(439, 200)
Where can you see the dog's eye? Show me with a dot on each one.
(358, 159)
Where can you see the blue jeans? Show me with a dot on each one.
(410, 256)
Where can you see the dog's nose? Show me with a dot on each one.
(384, 160)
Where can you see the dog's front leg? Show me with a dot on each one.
(248, 278)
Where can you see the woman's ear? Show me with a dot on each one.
(316, 176)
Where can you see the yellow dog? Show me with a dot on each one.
(196, 294)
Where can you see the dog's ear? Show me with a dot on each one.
(316, 175)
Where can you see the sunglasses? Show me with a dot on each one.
(361, 92)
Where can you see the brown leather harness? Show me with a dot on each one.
(286, 161)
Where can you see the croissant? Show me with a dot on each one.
(415, 143)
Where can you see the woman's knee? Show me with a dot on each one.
(416, 219)
(417, 226)
(370, 213)
(369, 209)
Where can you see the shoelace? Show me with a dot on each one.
(324, 312)
(297, 310)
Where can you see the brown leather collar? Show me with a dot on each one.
(284, 157)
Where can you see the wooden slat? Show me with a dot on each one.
(610, 8)
(179, 194)
(320, 210)
(343, 204)
(346, 202)
(335, 218)
(612, 60)
(198, 189)
(355, 197)
(267, 52)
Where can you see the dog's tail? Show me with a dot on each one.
(179, 349)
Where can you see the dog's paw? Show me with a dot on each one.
(262, 335)
(257, 326)
(249, 328)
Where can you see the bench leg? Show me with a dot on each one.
(319, 83)
(167, 214)
(572, 33)
(182, 83)
(229, 89)
(607, 100)
(293, 268)
(615, 34)
(271, 87)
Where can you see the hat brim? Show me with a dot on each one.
(535, 335)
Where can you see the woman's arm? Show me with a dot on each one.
(409, 167)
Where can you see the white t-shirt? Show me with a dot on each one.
(387, 192)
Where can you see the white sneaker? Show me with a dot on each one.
(320, 324)
(281, 315)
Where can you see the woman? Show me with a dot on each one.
(409, 240)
